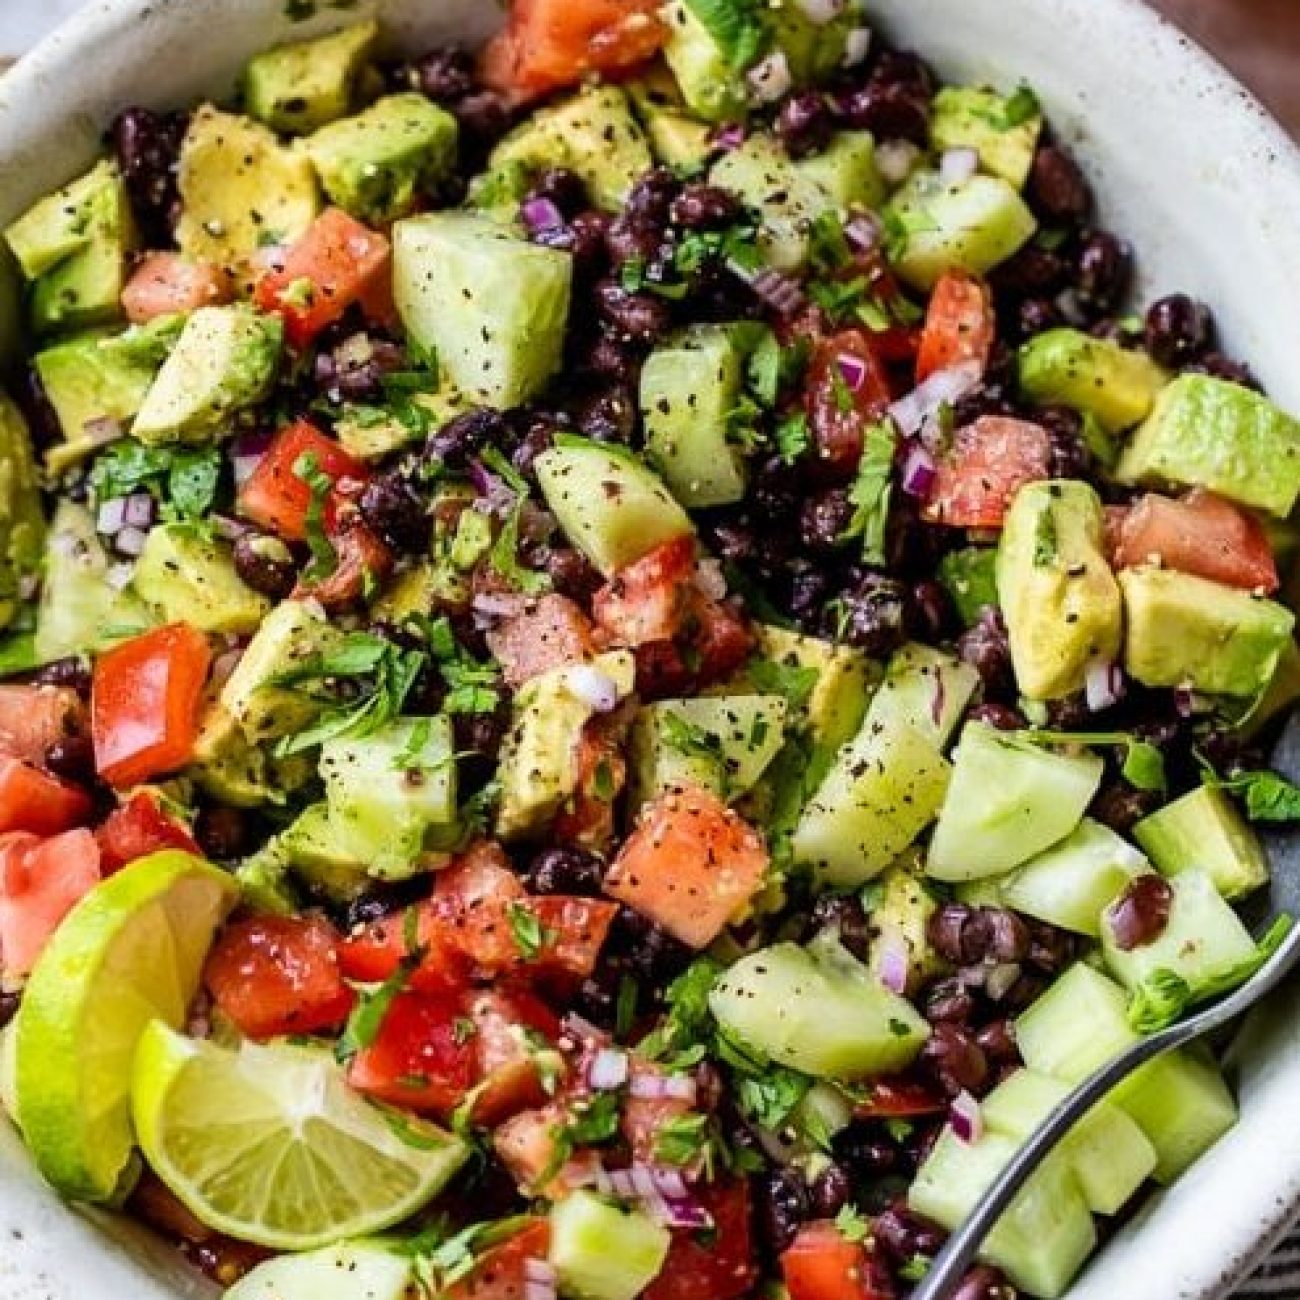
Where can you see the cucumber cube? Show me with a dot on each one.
(602, 1252)
(821, 1013)
(1077, 1025)
(1042, 1241)
(925, 689)
(1009, 800)
(1073, 881)
(355, 1270)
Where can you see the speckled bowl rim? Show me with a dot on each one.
(1184, 159)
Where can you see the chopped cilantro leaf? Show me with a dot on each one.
(872, 491)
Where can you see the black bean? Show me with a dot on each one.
(997, 1040)
(445, 76)
(865, 1150)
(1024, 992)
(72, 671)
(783, 1207)
(222, 832)
(570, 572)
(824, 520)
(903, 1234)
(984, 1282)
(569, 871)
(1037, 316)
(704, 207)
(147, 146)
(986, 399)
(42, 419)
(1219, 366)
(480, 733)
(954, 1060)
(9, 1000)
(1032, 272)
(1121, 807)
(537, 438)
(383, 900)
(830, 1192)
(265, 563)
(650, 953)
(847, 915)
(584, 237)
(1058, 188)
(611, 358)
(807, 585)
(395, 511)
(1141, 913)
(986, 649)
(930, 611)
(484, 117)
(72, 758)
(460, 439)
(640, 317)
(356, 368)
(805, 123)
(873, 614)
(947, 931)
(1104, 269)
(1008, 936)
(609, 415)
(562, 187)
(1178, 330)
(1000, 716)
(627, 241)
(651, 198)
(949, 1001)
(1051, 949)
(890, 111)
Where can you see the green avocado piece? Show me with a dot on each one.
(101, 376)
(1204, 830)
(378, 165)
(538, 768)
(84, 272)
(298, 88)
(493, 306)
(1186, 631)
(188, 575)
(325, 854)
(264, 884)
(713, 88)
(677, 138)
(898, 917)
(594, 134)
(1058, 595)
(970, 577)
(225, 361)
(936, 227)
(1209, 433)
(22, 520)
(975, 117)
(241, 190)
(228, 767)
(291, 635)
(690, 390)
(610, 505)
(1117, 386)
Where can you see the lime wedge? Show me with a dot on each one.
(267, 1142)
(129, 953)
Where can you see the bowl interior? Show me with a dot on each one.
(1186, 165)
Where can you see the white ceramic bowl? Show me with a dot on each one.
(1186, 163)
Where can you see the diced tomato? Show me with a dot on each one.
(421, 1059)
(501, 1272)
(137, 829)
(823, 1264)
(691, 865)
(573, 933)
(588, 818)
(361, 560)
(960, 326)
(332, 266)
(41, 880)
(276, 975)
(661, 671)
(990, 461)
(35, 801)
(505, 1061)
(848, 390)
(275, 496)
(1202, 534)
(33, 718)
(720, 638)
(528, 1143)
(549, 44)
(648, 600)
(644, 1118)
(373, 952)
(145, 703)
(164, 284)
(900, 1099)
(719, 1265)
(546, 634)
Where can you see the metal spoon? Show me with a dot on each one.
(1282, 897)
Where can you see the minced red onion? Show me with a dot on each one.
(782, 293)
(662, 1193)
(863, 231)
(821, 12)
(498, 604)
(140, 511)
(857, 45)
(710, 579)
(229, 529)
(1103, 685)
(119, 575)
(664, 1087)
(770, 78)
(540, 1280)
(102, 430)
(583, 1030)
(110, 519)
(729, 136)
(223, 667)
(943, 388)
(893, 960)
(896, 160)
(939, 700)
(919, 472)
(608, 1069)
(967, 1119)
(541, 214)
(957, 166)
(853, 370)
(130, 541)
(594, 688)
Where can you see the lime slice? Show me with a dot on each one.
(130, 952)
(267, 1143)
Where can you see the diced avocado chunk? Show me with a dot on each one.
(298, 88)
(1187, 631)
(926, 689)
(1042, 1241)
(188, 575)
(61, 224)
(101, 377)
(788, 196)
(593, 134)
(264, 884)
(1202, 938)
(1109, 1154)
(1058, 595)
(1209, 433)
(390, 789)
(604, 1252)
(1117, 386)
(539, 765)
(241, 190)
(1203, 829)
(690, 390)
(899, 917)
(225, 361)
(724, 743)
(974, 117)
(820, 1012)
(970, 577)
(22, 520)
(491, 305)
(227, 766)
(972, 226)
(1282, 692)
(1009, 799)
(80, 609)
(713, 87)
(883, 790)
(380, 163)
(610, 505)
(352, 1270)
(326, 854)
(842, 680)
(292, 634)
(1074, 880)
(677, 139)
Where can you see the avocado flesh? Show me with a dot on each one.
(379, 165)
(676, 137)
(974, 117)
(22, 518)
(228, 767)
(899, 918)
(188, 576)
(296, 89)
